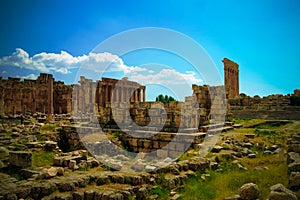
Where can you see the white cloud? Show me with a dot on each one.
(4, 72)
(167, 76)
(97, 62)
(21, 59)
(30, 76)
(63, 62)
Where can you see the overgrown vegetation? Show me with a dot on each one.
(164, 98)
(116, 134)
(161, 192)
(220, 185)
(241, 120)
(42, 158)
(48, 128)
(264, 170)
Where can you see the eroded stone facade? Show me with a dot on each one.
(28, 96)
(45, 95)
(231, 78)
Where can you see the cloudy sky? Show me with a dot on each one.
(59, 37)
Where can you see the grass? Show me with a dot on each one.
(187, 155)
(42, 158)
(161, 192)
(227, 183)
(116, 134)
(241, 120)
(48, 128)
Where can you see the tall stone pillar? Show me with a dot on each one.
(122, 94)
(139, 95)
(144, 94)
(135, 96)
(231, 79)
(131, 95)
(106, 94)
(50, 94)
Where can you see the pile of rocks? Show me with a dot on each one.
(130, 185)
(293, 161)
(250, 191)
(76, 160)
(242, 148)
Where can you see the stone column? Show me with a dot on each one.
(122, 94)
(50, 94)
(144, 94)
(135, 96)
(117, 97)
(131, 95)
(138, 91)
(106, 94)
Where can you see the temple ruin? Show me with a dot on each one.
(231, 78)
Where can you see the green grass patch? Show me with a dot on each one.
(227, 183)
(187, 155)
(48, 128)
(241, 120)
(161, 192)
(116, 134)
(195, 188)
(42, 158)
(19, 148)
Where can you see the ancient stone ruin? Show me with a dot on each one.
(270, 107)
(231, 78)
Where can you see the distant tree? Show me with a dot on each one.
(164, 99)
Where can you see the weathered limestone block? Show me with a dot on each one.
(279, 192)
(162, 153)
(249, 191)
(20, 158)
(293, 157)
(294, 180)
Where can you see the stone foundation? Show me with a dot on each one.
(273, 107)
(20, 158)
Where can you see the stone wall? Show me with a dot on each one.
(166, 144)
(62, 98)
(212, 104)
(270, 107)
(20, 97)
(120, 101)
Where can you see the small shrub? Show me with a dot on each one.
(83, 167)
(116, 134)
(83, 184)
(19, 148)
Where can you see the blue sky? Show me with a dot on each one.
(263, 37)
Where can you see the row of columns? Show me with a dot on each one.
(108, 93)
